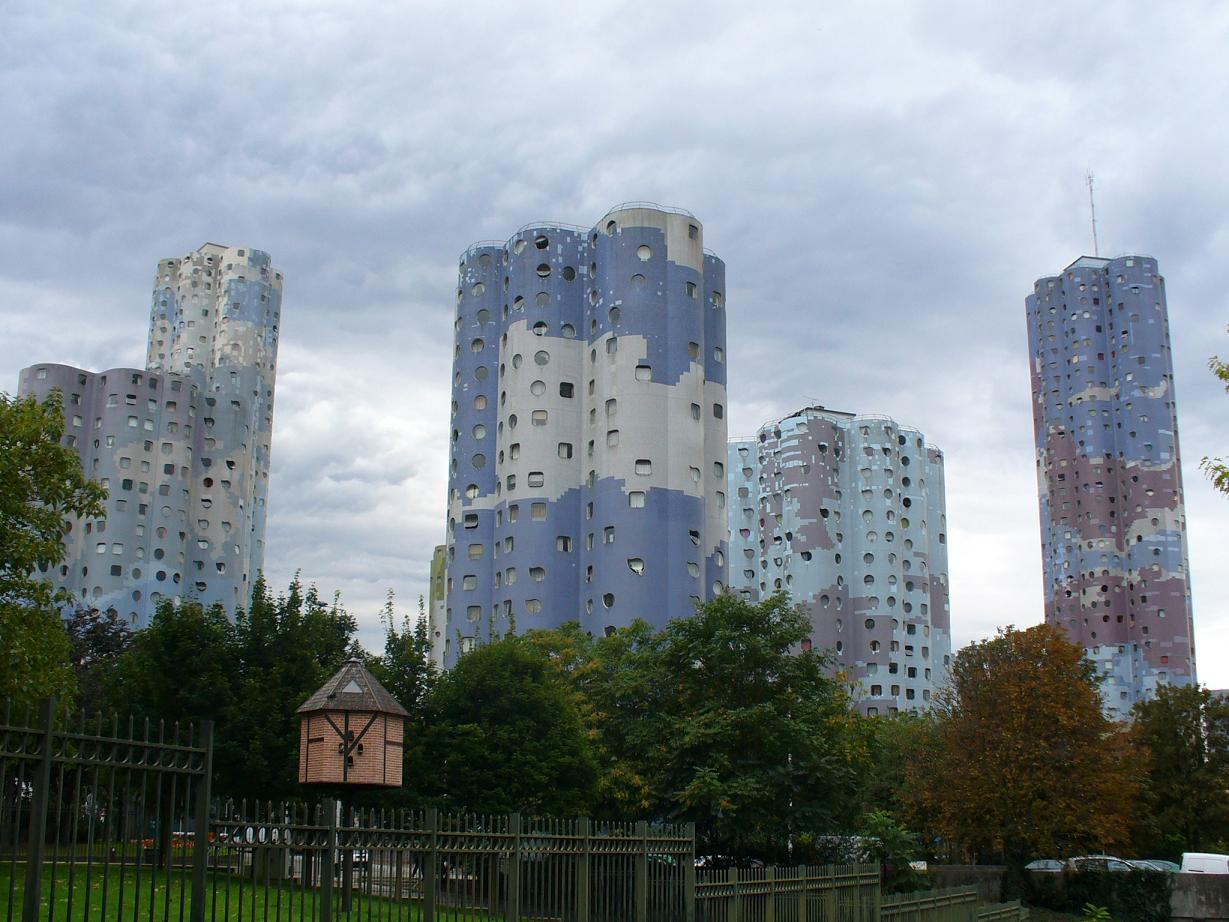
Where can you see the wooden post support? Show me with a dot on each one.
(736, 896)
(770, 908)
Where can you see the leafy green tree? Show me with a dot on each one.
(179, 669)
(611, 683)
(98, 641)
(1023, 763)
(405, 668)
(503, 734)
(1216, 468)
(42, 487)
(895, 742)
(285, 648)
(1184, 732)
(742, 730)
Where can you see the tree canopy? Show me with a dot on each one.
(1184, 734)
(1022, 762)
(42, 487)
(503, 734)
(1216, 468)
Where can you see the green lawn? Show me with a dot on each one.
(144, 897)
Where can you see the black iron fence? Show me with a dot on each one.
(109, 820)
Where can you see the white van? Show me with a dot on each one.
(1204, 863)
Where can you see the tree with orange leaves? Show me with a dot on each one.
(1022, 763)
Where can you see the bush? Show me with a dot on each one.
(1132, 896)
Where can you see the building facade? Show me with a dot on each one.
(587, 466)
(182, 446)
(847, 515)
(1113, 523)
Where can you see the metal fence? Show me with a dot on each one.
(842, 893)
(109, 820)
(957, 904)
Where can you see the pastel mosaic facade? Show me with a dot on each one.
(183, 445)
(587, 464)
(1113, 523)
(847, 514)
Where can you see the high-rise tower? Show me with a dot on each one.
(1113, 525)
(587, 469)
(182, 446)
(847, 514)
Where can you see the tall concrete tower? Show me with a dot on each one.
(587, 468)
(183, 446)
(847, 514)
(1113, 524)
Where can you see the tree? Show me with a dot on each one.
(1216, 468)
(503, 735)
(1184, 732)
(611, 686)
(98, 641)
(41, 487)
(405, 669)
(285, 648)
(741, 730)
(179, 669)
(1023, 763)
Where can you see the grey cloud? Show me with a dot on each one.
(883, 182)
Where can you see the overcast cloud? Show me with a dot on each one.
(885, 181)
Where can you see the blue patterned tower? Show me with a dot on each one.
(587, 469)
(1113, 522)
(183, 446)
(847, 514)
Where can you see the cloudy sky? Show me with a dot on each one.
(884, 181)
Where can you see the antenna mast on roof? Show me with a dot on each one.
(1092, 208)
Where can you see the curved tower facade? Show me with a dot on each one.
(183, 446)
(587, 467)
(847, 514)
(1113, 523)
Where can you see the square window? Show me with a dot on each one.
(635, 499)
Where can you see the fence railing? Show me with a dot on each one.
(842, 893)
(956, 904)
(109, 821)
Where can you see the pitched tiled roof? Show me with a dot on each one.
(353, 688)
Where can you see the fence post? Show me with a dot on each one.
(39, 799)
(770, 909)
(431, 865)
(583, 871)
(327, 863)
(200, 835)
(642, 871)
(736, 896)
(513, 912)
(689, 876)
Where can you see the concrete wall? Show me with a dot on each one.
(1200, 896)
(1113, 522)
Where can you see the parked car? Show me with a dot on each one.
(1045, 866)
(1155, 864)
(1097, 863)
(1204, 863)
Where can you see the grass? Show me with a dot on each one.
(148, 897)
(1037, 914)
